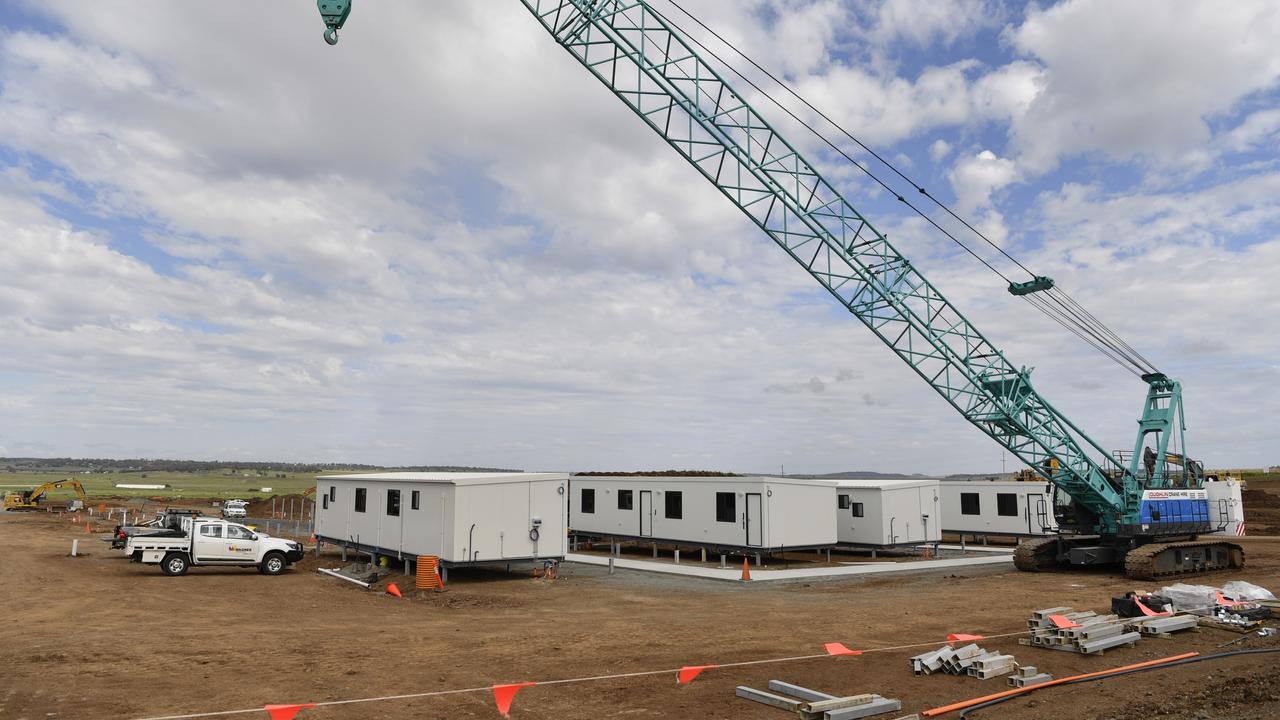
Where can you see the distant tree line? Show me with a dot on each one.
(661, 473)
(140, 465)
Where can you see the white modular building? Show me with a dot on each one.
(725, 513)
(997, 507)
(884, 513)
(461, 518)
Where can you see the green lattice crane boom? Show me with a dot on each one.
(646, 63)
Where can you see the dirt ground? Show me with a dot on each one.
(100, 637)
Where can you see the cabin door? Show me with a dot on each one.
(755, 526)
(646, 513)
(1037, 513)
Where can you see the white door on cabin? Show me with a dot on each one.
(646, 513)
(1037, 514)
(755, 525)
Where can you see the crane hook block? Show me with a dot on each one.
(334, 13)
(1036, 284)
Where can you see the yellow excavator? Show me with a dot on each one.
(30, 499)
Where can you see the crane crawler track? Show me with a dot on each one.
(1036, 555)
(1160, 560)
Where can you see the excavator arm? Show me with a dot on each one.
(31, 498)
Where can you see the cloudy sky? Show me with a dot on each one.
(442, 241)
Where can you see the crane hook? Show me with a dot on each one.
(334, 13)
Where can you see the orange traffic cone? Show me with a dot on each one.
(88, 528)
(393, 590)
(746, 570)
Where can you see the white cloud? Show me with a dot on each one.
(976, 177)
(388, 251)
(923, 22)
(1252, 132)
(1139, 78)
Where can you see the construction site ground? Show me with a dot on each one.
(100, 637)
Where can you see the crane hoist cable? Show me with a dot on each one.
(1059, 307)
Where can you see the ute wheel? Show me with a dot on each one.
(174, 564)
(273, 564)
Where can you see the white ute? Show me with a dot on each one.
(234, 509)
(211, 541)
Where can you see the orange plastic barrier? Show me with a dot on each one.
(954, 707)
(428, 575)
(962, 637)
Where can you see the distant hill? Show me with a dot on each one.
(873, 475)
(658, 473)
(140, 465)
(863, 475)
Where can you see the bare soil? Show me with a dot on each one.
(1261, 508)
(100, 637)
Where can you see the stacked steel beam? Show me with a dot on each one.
(1085, 632)
(967, 660)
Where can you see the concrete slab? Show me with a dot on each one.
(758, 574)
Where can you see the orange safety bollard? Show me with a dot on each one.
(428, 575)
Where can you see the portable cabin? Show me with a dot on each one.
(725, 513)
(1226, 505)
(883, 513)
(461, 518)
(997, 507)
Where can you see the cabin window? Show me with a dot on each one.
(624, 500)
(393, 502)
(675, 504)
(211, 531)
(359, 499)
(856, 509)
(324, 502)
(1007, 504)
(333, 493)
(413, 499)
(726, 509)
(969, 504)
(588, 500)
(843, 502)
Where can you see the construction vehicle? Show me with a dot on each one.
(1145, 515)
(168, 519)
(211, 541)
(33, 499)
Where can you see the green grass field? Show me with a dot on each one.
(214, 484)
